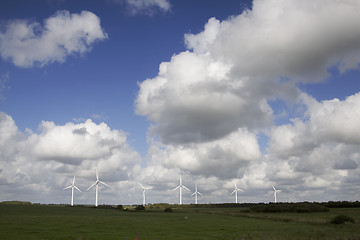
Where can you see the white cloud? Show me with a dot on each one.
(47, 160)
(238, 64)
(27, 43)
(148, 7)
(330, 121)
(224, 159)
(294, 39)
(322, 150)
(193, 99)
(225, 81)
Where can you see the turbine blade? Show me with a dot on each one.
(74, 180)
(176, 188)
(186, 188)
(193, 194)
(233, 192)
(97, 175)
(273, 187)
(199, 193)
(104, 184)
(68, 187)
(77, 188)
(142, 186)
(91, 185)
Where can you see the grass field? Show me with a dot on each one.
(62, 222)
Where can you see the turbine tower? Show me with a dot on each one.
(72, 186)
(236, 193)
(144, 189)
(96, 184)
(196, 194)
(275, 191)
(181, 186)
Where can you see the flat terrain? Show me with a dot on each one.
(63, 222)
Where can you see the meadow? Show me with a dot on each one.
(36, 221)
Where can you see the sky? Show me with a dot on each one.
(253, 93)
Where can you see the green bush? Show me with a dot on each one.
(340, 219)
(300, 209)
(168, 209)
(304, 207)
(140, 208)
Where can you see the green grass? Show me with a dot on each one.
(62, 222)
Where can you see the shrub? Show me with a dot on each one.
(302, 210)
(340, 219)
(140, 208)
(120, 207)
(168, 209)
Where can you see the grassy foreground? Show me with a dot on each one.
(63, 222)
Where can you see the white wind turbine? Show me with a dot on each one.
(275, 191)
(236, 190)
(96, 184)
(144, 189)
(72, 186)
(180, 187)
(196, 194)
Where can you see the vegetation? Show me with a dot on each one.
(168, 209)
(15, 203)
(340, 219)
(304, 207)
(140, 208)
(209, 222)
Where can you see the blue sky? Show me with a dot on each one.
(104, 81)
(252, 93)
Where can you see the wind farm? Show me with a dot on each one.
(170, 119)
(273, 220)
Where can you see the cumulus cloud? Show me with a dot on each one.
(236, 66)
(47, 159)
(228, 79)
(329, 121)
(193, 99)
(293, 39)
(148, 7)
(321, 149)
(27, 43)
(223, 158)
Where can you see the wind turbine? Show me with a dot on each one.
(196, 194)
(181, 186)
(275, 191)
(72, 186)
(144, 189)
(96, 184)
(236, 193)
